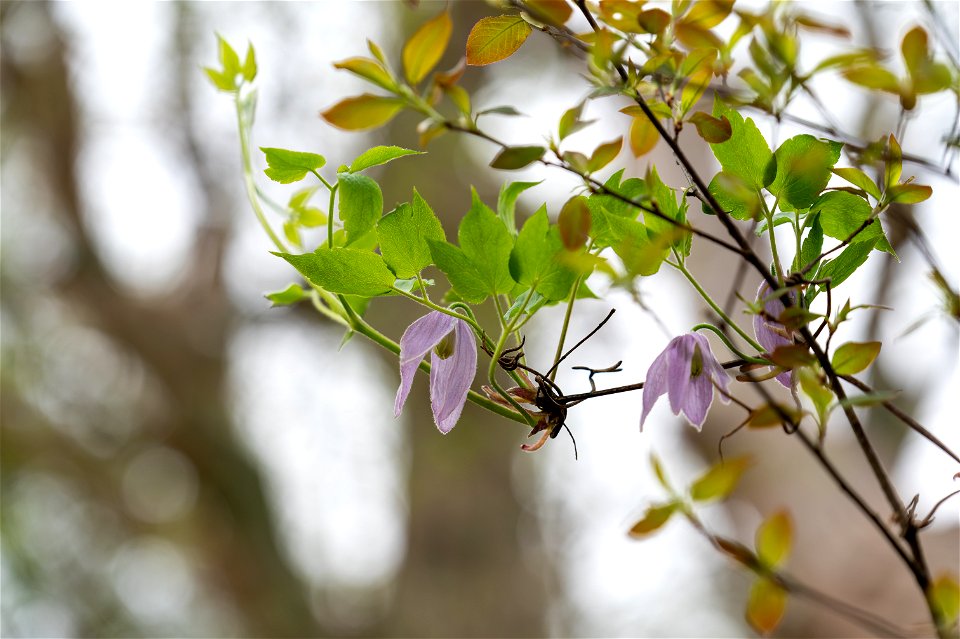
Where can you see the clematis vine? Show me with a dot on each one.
(453, 363)
(687, 372)
(770, 333)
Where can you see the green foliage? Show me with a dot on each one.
(534, 260)
(720, 480)
(379, 155)
(344, 270)
(290, 166)
(361, 204)
(853, 357)
(803, 170)
(404, 234)
(745, 155)
(517, 157)
(847, 217)
(507, 200)
(290, 295)
(654, 519)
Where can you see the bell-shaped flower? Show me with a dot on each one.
(687, 372)
(769, 332)
(453, 363)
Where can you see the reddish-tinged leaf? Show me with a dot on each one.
(368, 69)
(495, 38)
(769, 415)
(720, 480)
(556, 12)
(655, 517)
(853, 357)
(765, 606)
(695, 37)
(574, 222)
(792, 356)
(425, 47)
(712, 129)
(816, 25)
(362, 112)
(774, 538)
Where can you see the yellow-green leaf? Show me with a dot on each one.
(604, 154)
(368, 69)
(425, 47)
(853, 357)
(495, 38)
(707, 14)
(720, 480)
(556, 12)
(908, 193)
(770, 415)
(765, 606)
(860, 179)
(517, 157)
(792, 356)
(655, 517)
(643, 136)
(362, 112)
(574, 222)
(653, 20)
(945, 595)
(774, 538)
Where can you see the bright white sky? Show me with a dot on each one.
(144, 210)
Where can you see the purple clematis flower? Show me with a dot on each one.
(453, 363)
(770, 333)
(686, 370)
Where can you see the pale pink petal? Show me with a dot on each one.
(769, 333)
(421, 336)
(450, 378)
(655, 384)
(679, 377)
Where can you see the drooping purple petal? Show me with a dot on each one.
(450, 378)
(679, 377)
(689, 388)
(771, 334)
(655, 384)
(421, 336)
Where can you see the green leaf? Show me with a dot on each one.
(735, 196)
(859, 179)
(803, 170)
(362, 112)
(379, 155)
(361, 204)
(404, 234)
(495, 38)
(711, 129)
(463, 275)
(507, 200)
(720, 480)
(873, 76)
(812, 245)
(746, 154)
(655, 517)
(570, 121)
(290, 295)
(501, 110)
(529, 302)
(229, 60)
(631, 242)
(425, 47)
(774, 538)
(517, 157)
(290, 166)
(853, 357)
(487, 243)
(344, 270)
(869, 399)
(846, 264)
(534, 263)
(842, 214)
(221, 81)
(765, 606)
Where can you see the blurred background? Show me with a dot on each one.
(179, 459)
